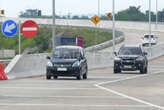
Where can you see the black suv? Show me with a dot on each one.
(131, 58)
(67, 61)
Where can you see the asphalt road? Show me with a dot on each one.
(103, 90)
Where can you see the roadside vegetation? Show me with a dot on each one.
(43, 41)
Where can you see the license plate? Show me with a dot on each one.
(127, 66)
(61, 69)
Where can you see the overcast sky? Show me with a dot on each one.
(63, 7)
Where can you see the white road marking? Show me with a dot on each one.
(126, 96)
(73, 105)
(101, 77)
(29, 29)
(104, 97)
(128, 78)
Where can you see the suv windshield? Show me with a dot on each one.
(66, 53)
(147, 36)
(130, 51)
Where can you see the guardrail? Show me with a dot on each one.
(104, 45)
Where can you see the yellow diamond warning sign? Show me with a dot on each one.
(95, 19)
(109, 15)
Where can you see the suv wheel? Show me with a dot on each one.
(142, 70)
(55, 77)
(79, 76)
(117, 70)
(48, 76)
(85, 75)
(146, 69)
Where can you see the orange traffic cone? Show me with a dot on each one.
(2, 72)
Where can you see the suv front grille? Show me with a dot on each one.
(63, 65)
(128, 62)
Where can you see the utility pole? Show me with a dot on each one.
(98, 8)
(98, 25)
(156, 26)
(150, 27)
(53, 26)
(113, 25)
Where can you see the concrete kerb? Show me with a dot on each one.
(12, 63)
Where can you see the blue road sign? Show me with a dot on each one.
(9, 28)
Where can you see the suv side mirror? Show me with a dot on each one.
(115, 53)
(48, 57)
(82, 57)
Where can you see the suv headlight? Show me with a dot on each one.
(49, 64)
(140, 59)
(76, 64)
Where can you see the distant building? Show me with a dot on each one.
(31, 13)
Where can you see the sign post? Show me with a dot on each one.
(109, 15)
(19, 37)
(95, 20)
(9, 28)
(29, 29)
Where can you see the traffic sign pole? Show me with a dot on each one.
(19, 37)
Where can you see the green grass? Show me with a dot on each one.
(42, 41)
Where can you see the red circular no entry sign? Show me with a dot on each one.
(29, 29)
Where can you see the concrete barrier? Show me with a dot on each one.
(104, 45)
(12, 63)
(155, 51)
(28, 65)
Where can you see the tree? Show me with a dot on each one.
(131, 14)
(75, 17)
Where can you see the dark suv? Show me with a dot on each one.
(67, 61)
(130, 58)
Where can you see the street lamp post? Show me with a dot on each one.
(150, 26)
(97, 25)
(54, 25)
(98, 8)
(113, 26)
(156, 26)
